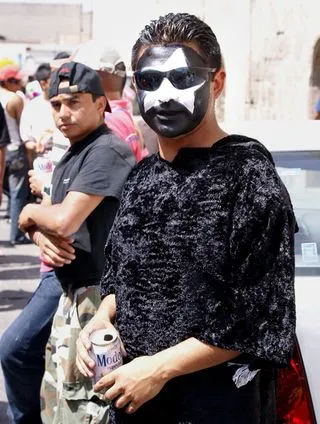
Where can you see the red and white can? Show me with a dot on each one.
(106, 352)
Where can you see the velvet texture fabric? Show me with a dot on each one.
(204, 247)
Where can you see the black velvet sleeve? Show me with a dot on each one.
(257, 316)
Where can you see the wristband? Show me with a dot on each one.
(46, 189)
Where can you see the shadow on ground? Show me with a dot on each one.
(11, 300)
(5, 243)
(19, 259)
(20, 274)
(3, 413)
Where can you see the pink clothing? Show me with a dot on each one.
(120, 121)
(44, 267)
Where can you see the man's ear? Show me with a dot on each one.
(134, 83)
(218, 83)
(101, 104)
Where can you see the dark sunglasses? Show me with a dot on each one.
(180, 78)
(13, 81)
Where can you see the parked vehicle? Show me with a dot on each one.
(296, 151)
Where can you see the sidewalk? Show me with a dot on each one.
(19, 276)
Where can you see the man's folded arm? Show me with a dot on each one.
(62, 219)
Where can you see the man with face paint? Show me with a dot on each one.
(176, 104)
(199, 277)
(173, 85)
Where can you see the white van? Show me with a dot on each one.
(295, 147)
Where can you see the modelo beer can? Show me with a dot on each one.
(42, 164)
(106, 352)
(43, 167)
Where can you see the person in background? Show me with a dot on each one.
(149, 136)
(59, 59)
(4, 141)
(199, 274)
(23, 343)
(61, 55)
(11, 79)
(71, 233)
(36, 123)
(37, 127)
(16, 158)
(112, 71)
(317, 115)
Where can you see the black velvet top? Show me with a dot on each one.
(204, 247)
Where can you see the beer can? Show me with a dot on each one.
(43, 167)
(106, 352)
(42, 164)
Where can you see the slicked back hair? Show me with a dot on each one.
(179, 28)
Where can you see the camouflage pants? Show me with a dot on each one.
(66, 396)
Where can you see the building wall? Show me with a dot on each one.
(282, 41)
(273, 70)
(44, 23)
(269, 46)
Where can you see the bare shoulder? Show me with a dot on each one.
(15, 106)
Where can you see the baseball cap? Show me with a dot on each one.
(10, 71)
(100, 57)
(82, 79)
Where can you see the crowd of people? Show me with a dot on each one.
(186, 253)
(31, 127)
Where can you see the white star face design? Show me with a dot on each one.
(167, 91)
(171, 112)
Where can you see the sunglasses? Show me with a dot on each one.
(180, 78)
(13, 81)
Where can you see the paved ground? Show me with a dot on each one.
(19, 276)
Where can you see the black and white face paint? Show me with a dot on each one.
(169, 110)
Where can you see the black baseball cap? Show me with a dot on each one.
(82, 79)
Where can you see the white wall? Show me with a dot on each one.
(44, 23)
(267, 47)
(228, 19)
(120, 23)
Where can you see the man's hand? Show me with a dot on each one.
(35, 183)
(45, 141)
(142, 379)
(30, 145)
(55, 251)
(84, 361)
(133, 384)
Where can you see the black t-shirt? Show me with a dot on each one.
(4, 135)
(97, 165)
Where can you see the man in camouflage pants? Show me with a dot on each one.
(61, 376)
(71, 233)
